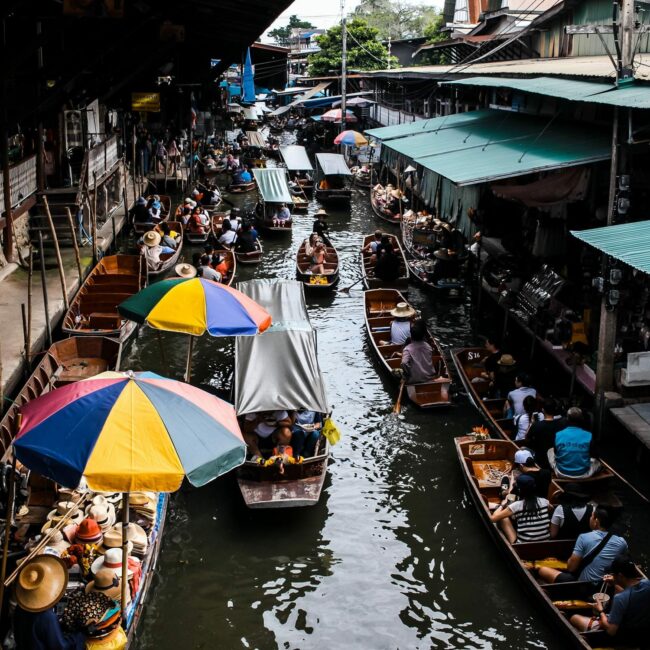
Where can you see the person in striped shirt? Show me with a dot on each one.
(527, 519)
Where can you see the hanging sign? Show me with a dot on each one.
(145, 102)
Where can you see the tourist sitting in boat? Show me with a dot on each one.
(228, 235)
(387, 267)
(628, 619)
(154, 207)
(524, 420)
(198, 221)
(571, 516)
(305, 432)
(262, 431)
(246, 241)
(206, 271)
(295, 188)
(167, 236)
(318, 259)
(573, 454)
(504, 379)
(417, 364)
(400, 327)
(514, 405)
(491, 360)
(152, 250)
(140, 212)
(245, 176)
(599, 546)
(524, 463)
(219, 264)
(371, 247)
(529, 513)
(320, 226)
(312, 242)
(282, 215)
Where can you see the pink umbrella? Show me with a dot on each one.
(335, 116)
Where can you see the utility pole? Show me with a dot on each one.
(390, 47)
(344, 66)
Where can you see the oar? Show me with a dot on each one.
(398, 403)
(347, 289)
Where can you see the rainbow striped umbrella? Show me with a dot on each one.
(350, 138)
(126, 431)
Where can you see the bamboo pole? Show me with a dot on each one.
(188, 365)
(112, 218)
(125, 550)
(57, 250)
(125, 198)
(48, 327)
(93, 217)
(30, 282)
(73, 232)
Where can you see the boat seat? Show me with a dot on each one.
(104, 321)
(79, 369)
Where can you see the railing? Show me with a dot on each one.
(391, 116)
(23, 180)
(102, 158)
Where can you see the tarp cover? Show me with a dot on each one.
(255, 139)
(250, 114)
(309, 93)
(279, 370)
(564, 186)
(272, 185)
(295, 158)
(333, 164)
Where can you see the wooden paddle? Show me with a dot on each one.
(347, 289)
(398, 403)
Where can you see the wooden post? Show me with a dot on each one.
(112, 218)
(93, 219)
(48, 327)
(125, 198)
(23, 313)
(57, 250)
(30, 277)
(73, 232)
(188, 365)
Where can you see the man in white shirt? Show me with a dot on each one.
(263, 430)
(515, 402)
(228, 238)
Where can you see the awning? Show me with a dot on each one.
(626, 242)
(234, 108)
(278, 370)
(272, 185)
(309, 93)
(255, 139)
(333, 164)
(634, 95)
(290, 91)
(250, 114)
(261, 107)
(295, 158)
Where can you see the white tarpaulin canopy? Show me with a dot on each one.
(295, 158)
(278, 370)
(333, 164)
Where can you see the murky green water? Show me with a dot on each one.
(392, 557)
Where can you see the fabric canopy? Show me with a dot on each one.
(627, 242)
(333, 164)
(272, 185)
(310, 93)
(295, 158)
(250, 114)
(279, 369)
(255, 139)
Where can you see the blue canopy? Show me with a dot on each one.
(248, 81)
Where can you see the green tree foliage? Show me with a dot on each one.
(397, 19)
(433, 30)
(282, 35)
(365, 51)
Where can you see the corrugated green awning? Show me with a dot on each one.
(633, 95)
(627, 242)
(295, 158)
(272, 185)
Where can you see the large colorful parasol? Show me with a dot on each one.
(194, 306)
(126, 431)
(335, 114)
(350, 138)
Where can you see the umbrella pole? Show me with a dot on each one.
(188, 365)
(9, 518)
(125, 554)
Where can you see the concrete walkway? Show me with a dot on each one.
(13, 293)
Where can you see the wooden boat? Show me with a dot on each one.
(323, 282)
(307, 185)
(333, 195)
(469, 363)
(482, 463)
(252, 257)
(419, 272)
(378, 305)
(382, 213)
(361, 178)
(331, 174)
(216, 222)
(241, 188)
(367, 267)
(94, 309)
(168, 260)
(231, 262)
(67, 361)
(165, 210)
(300, 203)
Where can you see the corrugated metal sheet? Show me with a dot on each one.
(627, 242)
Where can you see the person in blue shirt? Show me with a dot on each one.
(629, 617)
(245, 176)
(305, 432)
(572, 455)
(583, 565)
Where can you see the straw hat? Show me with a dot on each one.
(445, 254)
(113, 539)
(56, 541)
(41, 583)
(104, 515)
(151, 238)
(62, 510)
(112, 560)
(398, 194)
(403, 310)
(321, 213)
(134, 533)
(108, 582)
(185, 270)
(88, 532)
(506, 360)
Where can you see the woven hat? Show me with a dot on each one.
(185, 270)
(62, 510)
(108, 582)
(134, 533)
(445, 254)
(104, 515)
(151, 238)
(112, 560)
(56, 541)
(41, 583)
(403, 310)
(189, 201)
(113, 539)
(506, 360)
(88, 532)
(322, 213)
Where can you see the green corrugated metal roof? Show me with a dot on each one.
(627, 242)
(633, 96)
(272, 185)
(384, 133)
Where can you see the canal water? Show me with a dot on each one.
(393, 556)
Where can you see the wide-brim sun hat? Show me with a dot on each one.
(506, 360)
(445, 254)
(104, 583)
(41, 583)
(112, 560)
(151, 238)
(185, 270)
(403, 310)
(322, 213)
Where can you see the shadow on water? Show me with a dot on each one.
(392, 557)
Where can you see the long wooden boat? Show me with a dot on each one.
(231, 262)
(307, 185)
(368, 265)
(241, 188)
(216, 223)
(482, 463)
(252, 257)
(434, 393)
(300, 203)
(362, 178)
(266, 223)
(382, 213)
(168, 260)
(67, 361)
(93, 311)
(313, 281)
(165, 210)
(331, 195)
(469, 363)
(419, 272)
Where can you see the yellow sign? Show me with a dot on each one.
(145, 102)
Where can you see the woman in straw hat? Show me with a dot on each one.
(400, 327)
(39, 586)
(152, 250)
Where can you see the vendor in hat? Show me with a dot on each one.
(152, 249)
(320, 226)
(446, 264)
(40, 585)
(139, 212)
(400, 327)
